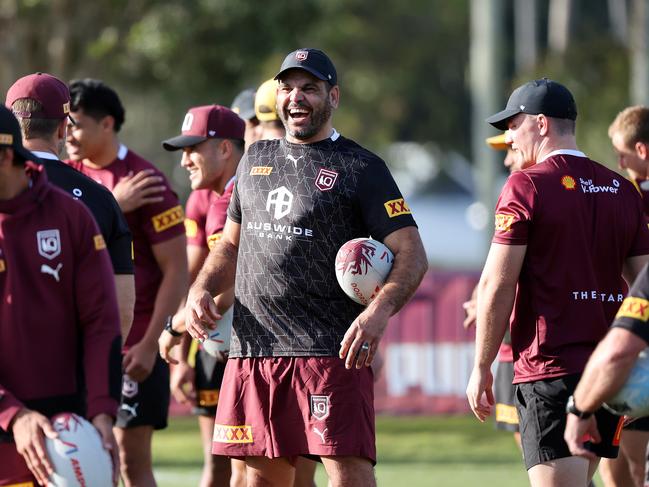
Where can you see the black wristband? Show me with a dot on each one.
(169, 329)
(572, 409)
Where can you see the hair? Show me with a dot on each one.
(34, 128)
(564, 126)
(97, 100)
(238, 144)
(633, 124)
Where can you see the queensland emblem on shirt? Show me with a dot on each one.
(49, 243)
(325, 179)
(504, 222)
(568, 182)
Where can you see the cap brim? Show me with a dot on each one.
(499, 120)
(182, 141)
(247, 114)
(303, 68)
(497, 142)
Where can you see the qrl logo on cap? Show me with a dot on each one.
(320, 407)
(187, 122)
(301, 55)
(49, 243)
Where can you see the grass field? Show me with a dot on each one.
(450, 451)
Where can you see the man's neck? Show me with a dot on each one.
(42, 145)
(105, 156)
(559, 143)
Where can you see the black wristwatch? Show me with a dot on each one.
(169, 328)
(572, 409)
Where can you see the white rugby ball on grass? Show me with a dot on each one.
(362, 265)
(218, 342)
(77, 455)
(633, 399)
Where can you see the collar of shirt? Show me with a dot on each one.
(45, 155)
(565, 152)
(121, 152)
(334, 135)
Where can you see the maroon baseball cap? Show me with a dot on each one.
(207, 122)
(49, 91)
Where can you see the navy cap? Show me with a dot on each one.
(314, 61)
(10, 135)
(534, 97)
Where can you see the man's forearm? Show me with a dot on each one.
(170, 294)
(492, 319)
(217, 274)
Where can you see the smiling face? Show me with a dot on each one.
(88, 137)
(305, 106)
(205, 164)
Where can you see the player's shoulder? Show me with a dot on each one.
(136, 162)
(70, 172)
(354, 153)
(263, 146)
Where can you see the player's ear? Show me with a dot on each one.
(641, 150)
(542, 124)
(334, 96)
(107, 123)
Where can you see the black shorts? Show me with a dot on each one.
(145, 403)
(506, 415)
(640, 424)
(541, 409)
(208, 378)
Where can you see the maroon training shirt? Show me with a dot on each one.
(150, 224)
(580, 221)
(59, 321)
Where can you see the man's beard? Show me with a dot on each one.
(318, 118)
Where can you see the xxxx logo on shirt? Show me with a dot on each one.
(635, 308)
(212, 239)
(396, 207)
(504, 222)
(168, 219)
(207, 398)
(2, 265)
(224, 433)
(261, 170)
(191, 228)
(99, 241)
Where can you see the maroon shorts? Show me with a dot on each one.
(13, 469)
(291, 406)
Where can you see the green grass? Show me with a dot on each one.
(450, 451)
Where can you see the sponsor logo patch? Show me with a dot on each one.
(280, 200)
(49, 243)
(504, 222)
(325, 179)
(506, 414)
(301, 55)
(6, 139)
(635, 308)
(191, 228)
(208, 398)
(129, 387)
(320, 407)
(212, 239)
(224, 433)
(396, 207)
(187, 122)
(568, 182)
(99, 242)
(2, 265)
(168, 219)
(261, 170)
(22, 484)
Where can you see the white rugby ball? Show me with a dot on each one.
(362, 265)
(633, 399)
(218, 342)
(77, 455)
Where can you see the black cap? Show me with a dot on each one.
(539, 96)
(10, 135)
(314, 61)
(244, 104)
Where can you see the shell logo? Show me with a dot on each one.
(568, 182)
